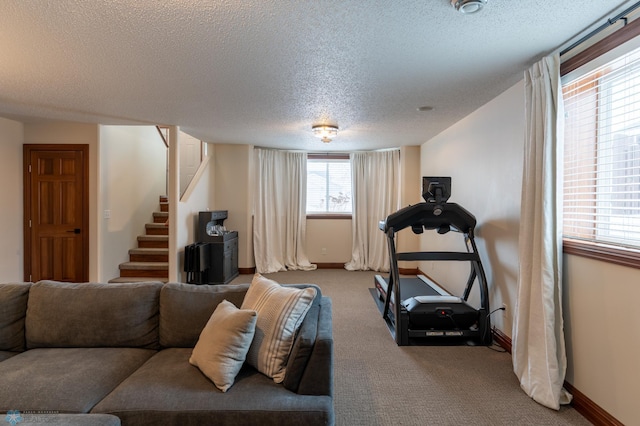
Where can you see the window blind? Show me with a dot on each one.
(329, 186)
(602, 154)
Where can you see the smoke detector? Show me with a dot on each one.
(468, 6)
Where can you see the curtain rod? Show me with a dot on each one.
(610, 21)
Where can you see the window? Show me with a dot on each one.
(602, 156)
(328, 185)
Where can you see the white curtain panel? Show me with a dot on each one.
(539, 357)
(376, 194)
(280, 221)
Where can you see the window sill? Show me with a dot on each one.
(604, 253)
(329, 216)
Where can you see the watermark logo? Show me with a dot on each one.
(13, 417)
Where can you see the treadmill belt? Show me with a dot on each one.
(410, 287)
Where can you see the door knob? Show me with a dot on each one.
(75, 231)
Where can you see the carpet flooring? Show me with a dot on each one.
(380, 383)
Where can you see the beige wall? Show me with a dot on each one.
(410, 193)
(483, 154)
(233, 171)
(76, 133)
(11, 194)
(601, 328)
(329, 240)
(132, 178)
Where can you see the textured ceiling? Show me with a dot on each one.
(262, 72)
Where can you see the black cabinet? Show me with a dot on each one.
(223, 259)
(214, 262)
(214, 259)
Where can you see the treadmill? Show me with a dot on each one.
(416, 309)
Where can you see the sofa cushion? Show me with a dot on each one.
(93, 315)
(223, 344)
(6, 355)
(186, 308)
(317, 378)
(169, 390)
(13, 308)
(281, 310)
(302, 349)
(66, 380)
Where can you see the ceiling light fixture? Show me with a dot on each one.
(326, 132)
(468, 6)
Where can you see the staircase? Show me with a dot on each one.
(150, 261)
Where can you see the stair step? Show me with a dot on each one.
(164, 207)
(145, 266)
(137, 279)
(149, 255)
(144, 269)
(153, 241)
(160, 217)
(147, 274)
(164, 199)
(156, 229)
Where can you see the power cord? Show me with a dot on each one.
(494, 345)
(501, 308)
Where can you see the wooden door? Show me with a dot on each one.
(56, 205)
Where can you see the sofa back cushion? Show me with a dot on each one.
(302, 349)
(13, 308)
(93, 315)
(186, 308)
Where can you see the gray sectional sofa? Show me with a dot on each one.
(121, 351)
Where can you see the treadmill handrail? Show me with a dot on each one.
(437, 255)
(422, 214)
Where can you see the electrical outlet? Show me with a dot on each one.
(324, 251)
(107, 214)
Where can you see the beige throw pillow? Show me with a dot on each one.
(281, 311)
(223, 344)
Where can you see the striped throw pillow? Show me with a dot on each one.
(281, 311)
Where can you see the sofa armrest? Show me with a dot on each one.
(318, 375)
